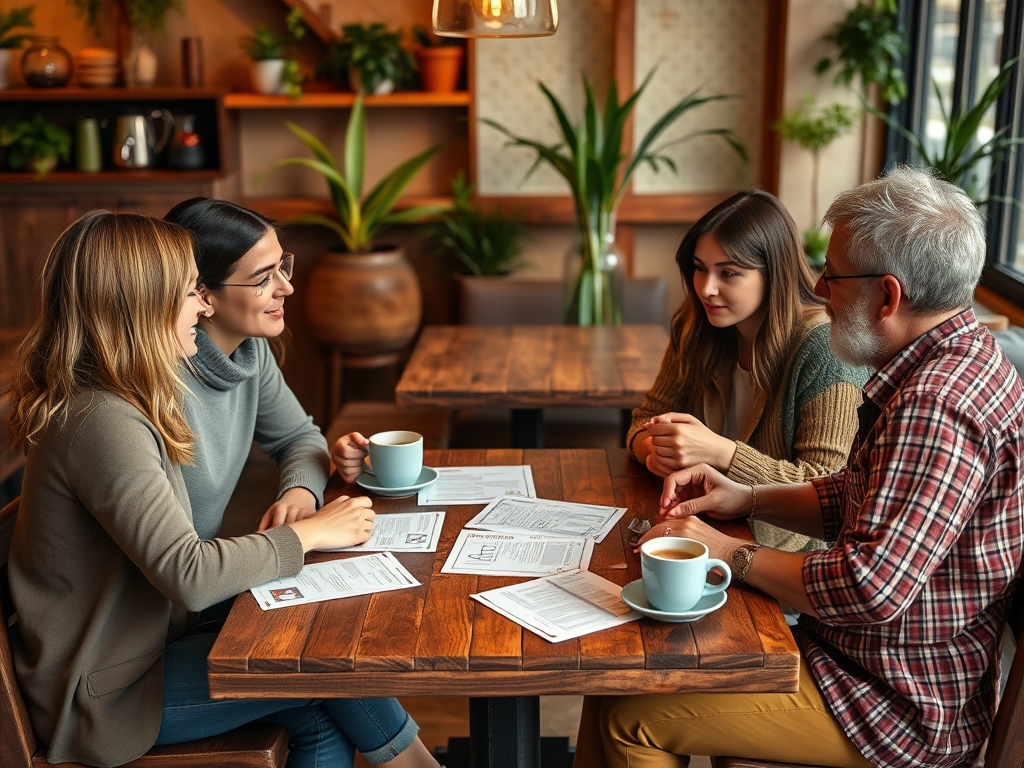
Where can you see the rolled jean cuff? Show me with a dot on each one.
(397, 745)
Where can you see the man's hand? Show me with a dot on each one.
(294, 504)
(704, 489)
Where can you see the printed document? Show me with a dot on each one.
(517, 554)
(562, 606)
(336, 578)
(402, 532)
(478, 485)
(554, 518)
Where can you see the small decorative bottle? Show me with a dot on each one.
(45, 64)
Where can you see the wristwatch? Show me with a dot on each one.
(741, 560)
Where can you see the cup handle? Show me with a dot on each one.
(714, 589)
(367, 466)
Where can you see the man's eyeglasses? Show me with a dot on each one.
(284, 270)
(826, 279)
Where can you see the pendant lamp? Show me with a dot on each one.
(495, 18)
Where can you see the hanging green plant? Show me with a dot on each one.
(869, 46)
(148, 15)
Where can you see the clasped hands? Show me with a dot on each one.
(678, 440)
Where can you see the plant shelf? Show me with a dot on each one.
(340, 100)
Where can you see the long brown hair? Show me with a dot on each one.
(108, 297)
(756, 231)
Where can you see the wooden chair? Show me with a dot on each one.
(1006, 742)
(257, 745)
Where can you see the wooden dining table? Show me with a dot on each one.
(531, 367)
(434, 640)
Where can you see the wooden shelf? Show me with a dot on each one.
(109, 94)
(340, 100)
(108, 177)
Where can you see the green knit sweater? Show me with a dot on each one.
(806, 433)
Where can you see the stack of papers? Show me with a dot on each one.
(477, 485)
(554, 518)
(517, 554)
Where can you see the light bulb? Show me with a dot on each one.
(495, 18)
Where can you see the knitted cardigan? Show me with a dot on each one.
(806, 433)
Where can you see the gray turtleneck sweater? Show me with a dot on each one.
(234, 401)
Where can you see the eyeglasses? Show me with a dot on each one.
(284, 270)
(828, 278)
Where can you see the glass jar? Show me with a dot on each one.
(595, 275)
(45, 64)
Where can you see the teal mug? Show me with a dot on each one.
(675, 573)
(396, 458)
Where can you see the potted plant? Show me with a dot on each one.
(272, 70)
(362, 297)
(136, 21)
(369, 59)
(35, 143)
(590, 158)
(869, 45)
(485, 244)
(16, 18)
(960, 158)
(814, 130)
(438, 59)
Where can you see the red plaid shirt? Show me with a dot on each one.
(927, 517)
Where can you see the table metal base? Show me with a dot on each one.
(527, 428)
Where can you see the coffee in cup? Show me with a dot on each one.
(675, 573)
(396, 458)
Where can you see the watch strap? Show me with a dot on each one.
(741, 560)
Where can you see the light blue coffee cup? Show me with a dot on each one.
(396, 458)
(675, 573)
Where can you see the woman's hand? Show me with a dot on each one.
(343, 522)
(704, 489)
(348, 454)
(678, 440)
(294, 504)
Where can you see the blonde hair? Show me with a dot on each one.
(756, 231)
(108, 298)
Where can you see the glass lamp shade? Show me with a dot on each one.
(495, 18)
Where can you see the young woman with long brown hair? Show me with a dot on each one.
(748, 383)
(106, 569)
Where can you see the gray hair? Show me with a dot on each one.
(919, 228)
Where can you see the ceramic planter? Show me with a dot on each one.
(440, 68)
(266, 76)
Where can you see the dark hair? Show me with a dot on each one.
(756, 231)
(223, 233)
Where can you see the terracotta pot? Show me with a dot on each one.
(364, 303)
(440, 68)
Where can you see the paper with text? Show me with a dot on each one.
(478, 485)
(517, 554)
(336, 578)
(402, 532)
(554, 518)
(562, 606)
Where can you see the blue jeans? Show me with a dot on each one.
(324, 732)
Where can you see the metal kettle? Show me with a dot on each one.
(135, 143)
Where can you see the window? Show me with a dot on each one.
(957, 47)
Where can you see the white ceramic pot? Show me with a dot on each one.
(5, 68)
(355, 81)
(140, 66)
(267, 75)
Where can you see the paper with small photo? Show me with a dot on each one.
(402, 532)
(478, 485)
(517, 554)
(548, 516)
(333, 579)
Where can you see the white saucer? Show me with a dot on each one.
(633, 596)
(427, 476)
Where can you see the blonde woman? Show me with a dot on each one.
(749, 384)
(106, 564)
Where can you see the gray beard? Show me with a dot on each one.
(854, 340)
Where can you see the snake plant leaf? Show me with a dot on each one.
(355, 146)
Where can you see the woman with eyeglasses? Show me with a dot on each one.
(749, 383)
(106, 568)
(238, 393)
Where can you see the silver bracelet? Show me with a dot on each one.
(753, 502)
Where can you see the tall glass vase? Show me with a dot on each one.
(595, 277)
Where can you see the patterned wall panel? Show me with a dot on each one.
(507, 72)
(718, 46)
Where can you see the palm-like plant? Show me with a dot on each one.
(359, 219)
(959, 156)
(589, 157)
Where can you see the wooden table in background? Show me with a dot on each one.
(531, 367)
(434, 640)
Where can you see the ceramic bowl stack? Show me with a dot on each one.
(96, 67)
